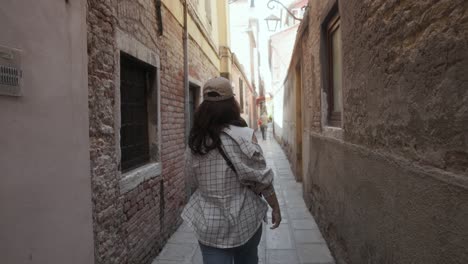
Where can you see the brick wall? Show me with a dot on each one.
(132, 227)
(172, 118)
(200, 67)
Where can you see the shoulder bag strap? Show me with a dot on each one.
(228, 161)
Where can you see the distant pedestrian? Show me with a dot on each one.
(263, 124)
(232, 180)
(260, 123)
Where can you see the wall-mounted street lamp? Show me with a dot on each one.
(272, 22)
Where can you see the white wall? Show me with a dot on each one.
(278, 107)
(45, 192)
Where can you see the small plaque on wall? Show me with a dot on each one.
(11, 73)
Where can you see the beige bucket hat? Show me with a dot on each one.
(220, 86)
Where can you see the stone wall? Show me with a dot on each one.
(132, 224)
(108, 207)
(391, 185)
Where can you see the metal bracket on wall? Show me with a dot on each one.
(159, 16)
(271, 3)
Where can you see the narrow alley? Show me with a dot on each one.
(296, 241)
(365, 103)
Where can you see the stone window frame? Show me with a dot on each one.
(132, 47)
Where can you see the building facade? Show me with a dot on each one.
(375, 106)
(245, 28)
(244, 92)
(138, 178)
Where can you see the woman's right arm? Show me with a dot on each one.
(272, 200)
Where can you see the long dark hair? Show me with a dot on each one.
(210, 119)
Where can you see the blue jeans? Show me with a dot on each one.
(245, 254)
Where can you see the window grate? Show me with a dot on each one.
(9, 76)
(134, 140)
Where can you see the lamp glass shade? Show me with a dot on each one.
(272, 22)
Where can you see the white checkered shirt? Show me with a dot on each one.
(225, 211)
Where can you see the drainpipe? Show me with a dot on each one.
(186, 74)
(188, 191)
(159, 16)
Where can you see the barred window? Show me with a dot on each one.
(134, 87)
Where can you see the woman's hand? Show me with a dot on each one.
(276, 212)
(275, 217)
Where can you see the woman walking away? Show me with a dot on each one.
(233, 183)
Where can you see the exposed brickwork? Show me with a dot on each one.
(172, 118)
(138, 18)
(132, 227)
(142, 227)
(200, 66)
(108, 210)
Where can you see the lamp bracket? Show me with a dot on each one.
(271, 4)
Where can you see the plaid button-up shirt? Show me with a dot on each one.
(225, 211)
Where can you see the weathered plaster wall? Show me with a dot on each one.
(405, 79)
(281, 49)
(131, 226)
(45, 189)
(278, 106)
(373, 208)
(391, 185)
(288, 135)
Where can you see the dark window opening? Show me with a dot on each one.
(334, 60)
(134, 86)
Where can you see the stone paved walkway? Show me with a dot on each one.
(296, 241)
